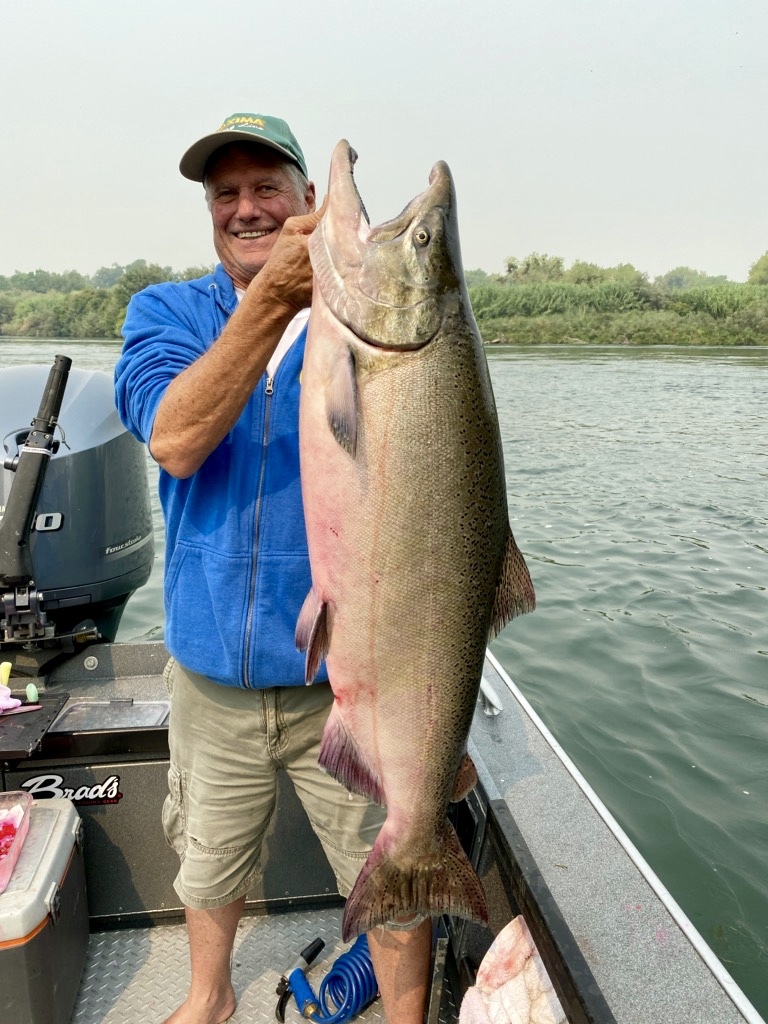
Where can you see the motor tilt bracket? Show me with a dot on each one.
(23, 616)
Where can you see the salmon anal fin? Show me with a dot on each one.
(341, 408)
(340, 757)
(388, 889)
(514, 591)
(312, 634)
(466, 779)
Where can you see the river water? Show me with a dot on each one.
(638, 491)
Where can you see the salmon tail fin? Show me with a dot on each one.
(312, 634)
(391, 888)
(340, 757)
(514, 592)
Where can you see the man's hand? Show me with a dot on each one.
(286, 277)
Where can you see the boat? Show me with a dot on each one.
(615, 944)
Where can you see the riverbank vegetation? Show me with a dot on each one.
(41, 304)
(538, 300)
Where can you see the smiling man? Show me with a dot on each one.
(209, 378)
(249, 203)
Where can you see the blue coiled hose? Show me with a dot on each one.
(346, 990)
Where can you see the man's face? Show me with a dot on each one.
(251, 193)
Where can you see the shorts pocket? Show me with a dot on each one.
(175, 810)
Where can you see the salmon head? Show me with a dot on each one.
(393, 285)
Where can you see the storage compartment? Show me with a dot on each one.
(114, 715)
(44, 919)
(115, 726)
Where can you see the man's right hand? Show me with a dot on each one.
(286, 277)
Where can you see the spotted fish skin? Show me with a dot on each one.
(414, 566)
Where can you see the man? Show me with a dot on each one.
(209, 378)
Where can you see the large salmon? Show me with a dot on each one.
(414, 565)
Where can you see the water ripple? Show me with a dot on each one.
(636, 486)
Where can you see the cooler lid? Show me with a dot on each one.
(42, 863)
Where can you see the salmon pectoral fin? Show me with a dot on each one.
(341, 407)
(312, 634)
(466, 779)
(341, 757)
(394, 887)
(514, 591)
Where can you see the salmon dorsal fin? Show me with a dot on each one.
(340, 756)
(312, 634)
(514, 591)
(341, 405)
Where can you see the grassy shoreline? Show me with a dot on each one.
(637, 328)
(550, 313)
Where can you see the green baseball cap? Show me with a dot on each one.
(261, 128)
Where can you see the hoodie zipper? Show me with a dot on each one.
(269, 390)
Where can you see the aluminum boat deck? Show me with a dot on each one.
(141, 974)
(616, 944)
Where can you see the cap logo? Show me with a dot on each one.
(243, 127)
(241, 121)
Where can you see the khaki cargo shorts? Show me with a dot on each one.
(227, 745)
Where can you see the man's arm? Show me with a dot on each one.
(203, 403)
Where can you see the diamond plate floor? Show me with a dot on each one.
(141, 975)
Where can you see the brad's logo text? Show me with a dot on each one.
(45, 787)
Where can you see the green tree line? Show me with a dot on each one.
(41, 304)
(537, 300)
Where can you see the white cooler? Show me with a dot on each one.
(44, 919)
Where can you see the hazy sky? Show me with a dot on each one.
(605, 130)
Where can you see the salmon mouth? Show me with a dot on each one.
(391, 285)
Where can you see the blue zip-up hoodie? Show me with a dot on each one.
(237, 567)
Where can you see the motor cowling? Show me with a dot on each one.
(91, 542)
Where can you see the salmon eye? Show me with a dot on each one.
(421, 236)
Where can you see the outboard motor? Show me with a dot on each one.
(76, 536)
